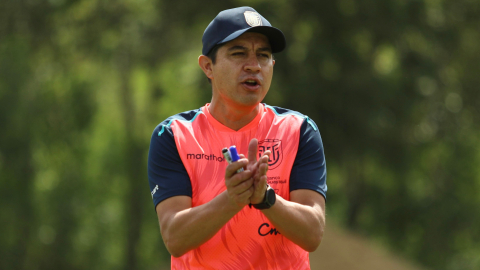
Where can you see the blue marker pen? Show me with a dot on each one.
(234, 155)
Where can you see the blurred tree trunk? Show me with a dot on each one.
(134, 166)
(355, 189)
(16, 166)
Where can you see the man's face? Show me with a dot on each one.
(243, 71)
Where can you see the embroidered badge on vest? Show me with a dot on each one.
(275, 146)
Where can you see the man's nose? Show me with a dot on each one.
(252, 64)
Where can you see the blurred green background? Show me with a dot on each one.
(392, 85)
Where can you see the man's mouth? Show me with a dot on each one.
(251, 82)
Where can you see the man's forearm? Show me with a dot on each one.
(184, 227)
(302, 224)
(189, 228)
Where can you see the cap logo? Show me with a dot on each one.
(253, 18)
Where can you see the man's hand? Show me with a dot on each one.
(240, 186)
(259, 169)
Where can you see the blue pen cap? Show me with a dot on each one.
(234, 153)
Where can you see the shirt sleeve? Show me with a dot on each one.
(167, 175)
(309, 169)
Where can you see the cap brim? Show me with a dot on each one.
(274, 35)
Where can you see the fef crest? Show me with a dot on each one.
(253, 18)
(275, 146)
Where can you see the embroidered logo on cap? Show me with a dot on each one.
(253, 18)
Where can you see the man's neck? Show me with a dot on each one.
(233, 117)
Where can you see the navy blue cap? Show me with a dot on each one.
(231, 23)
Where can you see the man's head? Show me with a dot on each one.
(237, 56)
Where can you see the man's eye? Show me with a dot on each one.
(238, 53)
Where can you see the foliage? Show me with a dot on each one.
(391, 85)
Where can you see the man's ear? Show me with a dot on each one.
(206, 65)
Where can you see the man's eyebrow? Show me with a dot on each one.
(239, 47)
(265, 49)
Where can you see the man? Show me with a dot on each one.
(210, 215)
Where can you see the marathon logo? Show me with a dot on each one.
(210, 157)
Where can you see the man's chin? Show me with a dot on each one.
(250, 102)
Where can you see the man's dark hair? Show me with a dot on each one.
(212, 54)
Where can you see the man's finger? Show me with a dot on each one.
(238, 179)
(252, 151)
(232, 168)
(242, 186)
(263, 168)
(267, 153)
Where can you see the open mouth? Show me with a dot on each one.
(251, 82)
